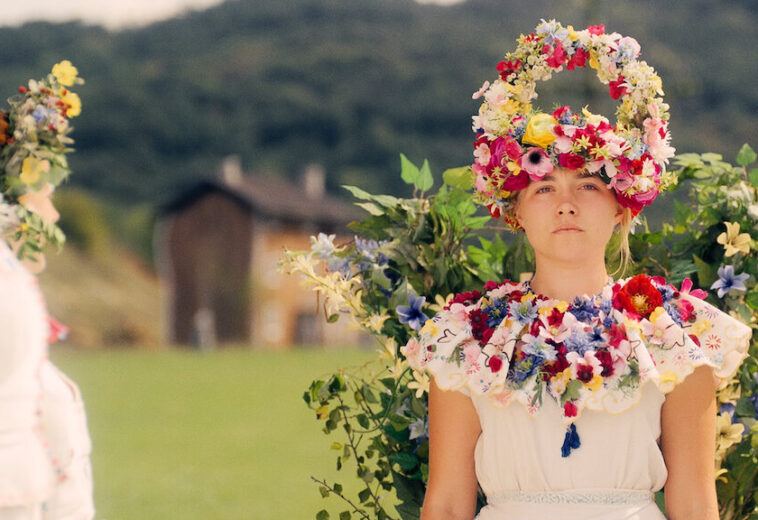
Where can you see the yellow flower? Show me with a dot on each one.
(510, 107)
(72, 102)
(700, 326)
(733, 241)
(65, 73)
(375, 322)
(32, 170)
(539, 130)
(420, 383)
(440, 302)
(595, 383)
(429, 328)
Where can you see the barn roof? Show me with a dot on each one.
(272, 198)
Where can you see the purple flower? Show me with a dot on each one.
(411, 313)
(728, 280)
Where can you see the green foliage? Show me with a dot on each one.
(426, 247)
(83, 220)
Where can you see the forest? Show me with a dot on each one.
(350, 84)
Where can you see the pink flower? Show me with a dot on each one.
(584, 367)
(479, 93)
(536, 163)
(657, 139)
(411, 348)
(596, 30)
(579, 59)
(687, 289)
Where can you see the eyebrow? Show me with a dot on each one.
(583, 175)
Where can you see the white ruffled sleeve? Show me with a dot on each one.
(707, 336)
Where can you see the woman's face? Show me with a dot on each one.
(568, 216)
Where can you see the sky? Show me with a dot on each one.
(114, 14)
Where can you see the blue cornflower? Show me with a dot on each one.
(673, 311)
(496, 311)
(606, 306)
(728, 408)
(584, 309)
(579, 342)
(537, 347)
(523, 312)
(411, 313)
(41, 114)
(728, 280)
(323, 245)
(667, 292)
(566, 118)
(524, 368)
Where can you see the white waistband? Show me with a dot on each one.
(575, 496)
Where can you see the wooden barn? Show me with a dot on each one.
(218, 246)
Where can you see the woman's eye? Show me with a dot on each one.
(543, 189)
(589, 187)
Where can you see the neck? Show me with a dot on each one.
(564, 282)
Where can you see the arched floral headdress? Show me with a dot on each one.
(34, 141)
(517, 143)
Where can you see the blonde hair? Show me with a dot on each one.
(619, 247)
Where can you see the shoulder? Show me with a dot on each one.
(680, 330)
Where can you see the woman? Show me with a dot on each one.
(44, 444)
(571, 395)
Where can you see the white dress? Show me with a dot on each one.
(522, 460)
(44, 443)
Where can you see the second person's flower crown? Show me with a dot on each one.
(517, 143)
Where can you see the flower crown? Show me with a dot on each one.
(517, 143)
(34, 138)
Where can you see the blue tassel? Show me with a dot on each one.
(571, 441)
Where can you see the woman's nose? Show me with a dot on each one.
(566, 207)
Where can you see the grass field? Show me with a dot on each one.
(204, 436)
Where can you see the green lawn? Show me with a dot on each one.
(206, 436)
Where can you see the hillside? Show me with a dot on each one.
(109, 299)
(350, 84)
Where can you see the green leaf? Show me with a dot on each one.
(460, 178)
(746, 155)
(572, 391)
(322, 515)
(364, 495)
(745, 408)
(409, 172)
(372, 208)
(406, 460)
(425, 180)
(706, 273)
(345, 515)
(712, 157)
(324, 491)
(358, 193)
(363, 421)
(752, 300)
(754, 177)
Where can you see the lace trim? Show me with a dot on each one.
(597, 496)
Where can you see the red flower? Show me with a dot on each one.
(506, 68)
(516, 182)
(466, 298)
(686, 311)
(479, 328)
(570, 409)
(617, 89)
(639, 297)
(618, 334)
(496, 364)
(557, 55)
(605, 361)
(597, 30)
(579, 59)
(584, 372)
(560, 112)
(571, 161)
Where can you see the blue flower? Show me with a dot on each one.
(524, 368)
(341, 265)
(323, 246)
(537, 347)
(584, 309)
(497, 310)
(667, 292)
(728, 280)
(673, 311)
(411, 313)
(579, 342)
(419, 429)
(728, 408)
(523, 312)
